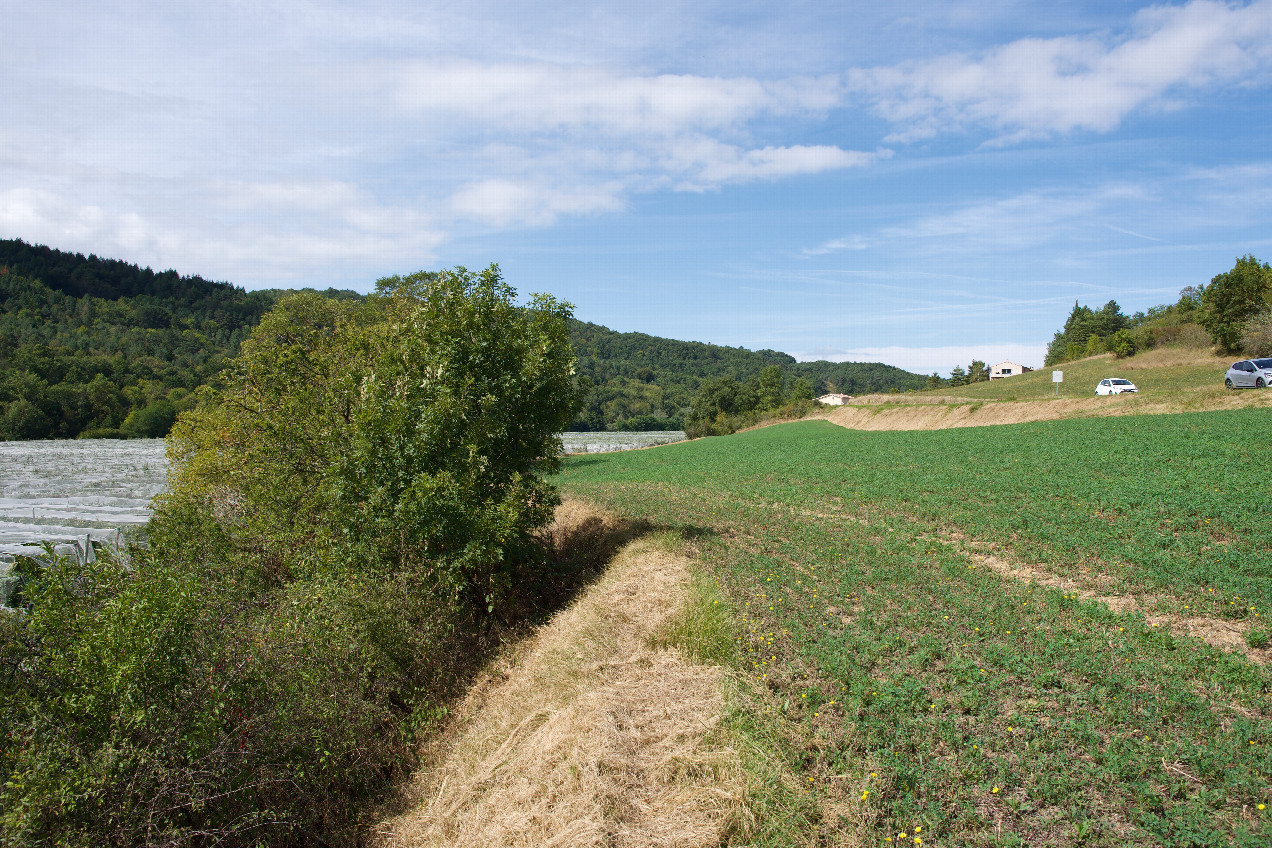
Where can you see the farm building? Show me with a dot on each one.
(834, 399)
(1007, 369)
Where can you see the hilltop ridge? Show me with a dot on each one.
(101, 347)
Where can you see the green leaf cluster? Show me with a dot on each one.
(1085, 332)
(1232, 299)
(350, 514)
(723, 405)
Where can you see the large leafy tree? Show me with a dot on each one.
(417, 425)
(1232, 299)
(770, 389)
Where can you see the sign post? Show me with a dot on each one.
(1057, 377)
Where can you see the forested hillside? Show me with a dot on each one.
(641, 382)
(99, 347)
(104, 348)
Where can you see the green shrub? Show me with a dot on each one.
(647, 423)
(24, 420)
(345, 512)
(1233, 298)
(152, 421)
(1256, 335)
(1122, 344)
(101, 433)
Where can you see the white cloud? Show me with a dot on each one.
(546, 97)
(849, 242)
(925, 360)
(293, 140)
(505, 202)
(1012, 223)
(270, 234)
(707, 163)
(1036, 87)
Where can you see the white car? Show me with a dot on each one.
(1115, 386)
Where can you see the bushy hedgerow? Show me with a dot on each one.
(723, 424)
(1256, 334)
(349, 509)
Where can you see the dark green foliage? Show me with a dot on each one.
(348, 507)
(78, 276)
(769, 388)
(649, 423)
(722, 405)
(801, 390)
(1232, 299)
(22, 419)
(1084, 324)
(629, 375)
(152, 421)
(85, 341)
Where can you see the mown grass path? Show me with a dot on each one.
(942, 701)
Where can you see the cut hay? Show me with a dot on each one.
(587, 735)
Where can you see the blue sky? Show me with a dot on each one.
(918, 183)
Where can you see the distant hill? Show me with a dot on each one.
(640, 381)
(101, 347)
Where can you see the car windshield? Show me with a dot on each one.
(1120, 382)
(1263, 363)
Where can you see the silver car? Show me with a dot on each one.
(1249, 374)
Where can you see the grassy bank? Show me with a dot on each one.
(956, 704)
(1175, 371)
(1170, 380)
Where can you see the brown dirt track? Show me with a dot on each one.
(935, 412)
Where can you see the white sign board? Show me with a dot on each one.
(1057, 376)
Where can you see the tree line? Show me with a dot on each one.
(634, 381)
(100, 348)
(93, 347)
(1233, 312)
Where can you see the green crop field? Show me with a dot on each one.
(939, 699)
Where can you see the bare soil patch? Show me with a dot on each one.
(1224, 634)
(888, 413)
(584, 734)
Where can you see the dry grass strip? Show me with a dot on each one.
(586, 735)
